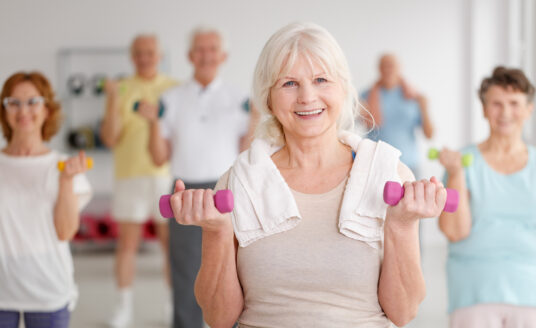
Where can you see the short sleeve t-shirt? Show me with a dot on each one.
(36, 268)
(131, 154)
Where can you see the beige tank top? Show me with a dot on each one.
(311, 275)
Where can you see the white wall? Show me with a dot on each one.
(439, 42)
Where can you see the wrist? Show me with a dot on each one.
(220, 232)
(66, 181)
(400, 226)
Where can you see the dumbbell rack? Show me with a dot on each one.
(83, 112)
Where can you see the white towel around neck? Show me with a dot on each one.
(265, 205)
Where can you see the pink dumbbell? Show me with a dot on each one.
(223, 200)
(393, 192)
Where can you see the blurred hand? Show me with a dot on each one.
(148, 111)
(196, 207)
(73, 166)
(422, 199)
(111, 87)
(451, 160)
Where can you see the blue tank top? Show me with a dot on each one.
(497, 262)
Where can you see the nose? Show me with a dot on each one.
(306, 93)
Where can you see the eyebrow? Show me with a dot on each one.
(293, 78)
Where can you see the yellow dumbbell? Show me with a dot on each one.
(89, 162)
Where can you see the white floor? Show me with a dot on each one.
(94, 272)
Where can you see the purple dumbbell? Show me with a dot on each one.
(223, 200)
(393, 192)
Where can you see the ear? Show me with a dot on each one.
(224, 56)
(191, 56)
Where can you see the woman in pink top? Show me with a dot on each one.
(310, 275)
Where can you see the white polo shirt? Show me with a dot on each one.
(204, 126)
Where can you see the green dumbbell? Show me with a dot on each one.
(160, 107)
(467, 159)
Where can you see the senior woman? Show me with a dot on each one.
(491, 266)
(310, 242)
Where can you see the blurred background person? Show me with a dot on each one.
(397, 111)
(491, 267)
(138, 181)
(201, 133)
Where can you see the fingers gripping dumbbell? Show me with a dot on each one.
(393, 192)
(223, 200)
(89, 163)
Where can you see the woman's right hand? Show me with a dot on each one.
(451, 160)
(196, 207)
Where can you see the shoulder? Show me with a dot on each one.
(223, 182)
(405, 173)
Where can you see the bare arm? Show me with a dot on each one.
(427, 126)
(66, 220)
(111, 124)
(402, 287)
(217, 287)
(159, 148)
(456, 226)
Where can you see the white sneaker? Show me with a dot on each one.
(122, 316)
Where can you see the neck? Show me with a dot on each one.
(504, 144)
(203, 80)
(147, 76)
(26, 145)
(389, 83)
(314, 153)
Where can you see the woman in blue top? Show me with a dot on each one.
(491, 266)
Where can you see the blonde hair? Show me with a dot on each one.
(277, 58)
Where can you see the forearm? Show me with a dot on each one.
(217, 287)
(158, 146)
(457, 226)
(401, 288)
(111, 125)
(427, 126)
(66, 219)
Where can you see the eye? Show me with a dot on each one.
(289, 84)
(35, 100)
(321, 80)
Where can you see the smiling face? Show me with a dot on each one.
(26, 119)
(307, 101)
(506, 110)
(207, 55)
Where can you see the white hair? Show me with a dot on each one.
(277, 58)
(202, 30)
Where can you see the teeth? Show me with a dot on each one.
(318, 111)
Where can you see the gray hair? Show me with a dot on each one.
(277, 58)
(202, 30)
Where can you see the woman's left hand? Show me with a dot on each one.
(73, 166)
(422, 199)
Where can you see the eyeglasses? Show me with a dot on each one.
(14, 105)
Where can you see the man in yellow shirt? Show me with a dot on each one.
(138, 181)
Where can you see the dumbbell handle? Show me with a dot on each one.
(393, 192)
(223, 200)
(89, 162)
